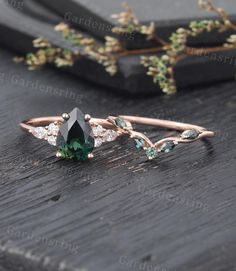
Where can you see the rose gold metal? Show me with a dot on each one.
(90, 156)
(178, 126)
(58, 154)
(65, 116)
(87, 117)
(29, 124)
(109, 123)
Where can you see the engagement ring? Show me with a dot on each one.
(76, 135)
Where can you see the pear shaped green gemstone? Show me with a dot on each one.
(76, 150)
(75, 139)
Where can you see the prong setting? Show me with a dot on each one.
(65, 116)
(58, 155)
(90, 156)
(87, 117)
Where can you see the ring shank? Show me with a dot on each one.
(29, 124)
(179, 126)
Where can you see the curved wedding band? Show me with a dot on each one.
(77, 134)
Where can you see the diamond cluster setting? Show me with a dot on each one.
(48, 133)
(103, 135)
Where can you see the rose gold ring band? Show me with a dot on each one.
(123, 126)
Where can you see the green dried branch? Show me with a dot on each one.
(129, 23)
(160, 68)
(84, 47)
(178, 48)
(49, 54)
(209, 6)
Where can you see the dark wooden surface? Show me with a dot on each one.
(18, 27)
(118, 212)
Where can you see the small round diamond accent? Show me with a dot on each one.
(52, 140)
(97, 142)
(98, 130)
(110, 136)
(39, 132)
(53, 129)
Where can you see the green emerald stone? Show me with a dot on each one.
(190, 134)
(76, 150)
(168, 147)
(75, 139)
(151, 153)
(139, 143)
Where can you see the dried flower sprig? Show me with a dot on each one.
(89, 48)
(83, 47)
(127, 20)
(209, 6)
(49, 54)
(74, 37)
(177, 49)
(231, 42)
(160, 67)
(129, 23)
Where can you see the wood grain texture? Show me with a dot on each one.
(118, 212)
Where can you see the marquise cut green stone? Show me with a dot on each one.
(121, 123)
(168, 147)
(75, 139)
(190, 134)
(139, 143)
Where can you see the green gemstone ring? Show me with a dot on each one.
(76, 134)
